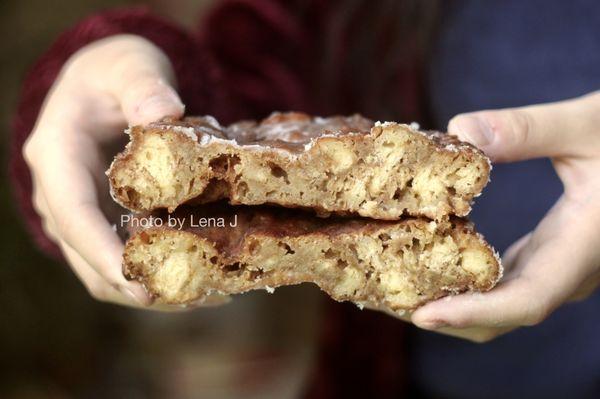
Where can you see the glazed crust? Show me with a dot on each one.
(391, 265)
(340, 165)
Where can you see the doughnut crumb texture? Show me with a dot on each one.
(337, 165)
(390, 265)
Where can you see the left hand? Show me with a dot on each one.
(559, 261)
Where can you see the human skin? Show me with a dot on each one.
(559, 261)
(125, 80)
(109, 84)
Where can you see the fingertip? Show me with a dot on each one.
(216, 300)
(428, 319)
(431, 325)
(456, 126)
(153, 104)
(452, 311)
(473, 128)
(136, 293)
(156, 108)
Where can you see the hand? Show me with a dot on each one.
(104, 87)
(559, 261)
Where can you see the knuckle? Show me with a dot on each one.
(520, 127)
(66, 228)
(49, 230)
(30, 149)
(37, 203)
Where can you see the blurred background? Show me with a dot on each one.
(57, 342)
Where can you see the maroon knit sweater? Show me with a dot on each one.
(248, 58)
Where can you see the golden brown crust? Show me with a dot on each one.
(393, 265)
(341, 165)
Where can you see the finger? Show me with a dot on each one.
(403, 315)
(142, 81)
(552, 265)
(565, 128)
(148, 99)
(103, 291)
(210, 301)
(73, 206)
(513, 303)
(99, 245)
(474, 334)
(95, 284)
(587, 288)
(511, 255)
(38, 200)
(41, 208)
(48, 225)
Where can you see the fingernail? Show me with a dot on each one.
(475, 130)
(218, 299)
(160, 106)
(212, 300)
(433, 324)
(129, 294)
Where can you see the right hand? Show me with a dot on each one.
(105, 86)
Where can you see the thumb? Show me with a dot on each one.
(149, 99)
(565, 128)
(142, 80)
